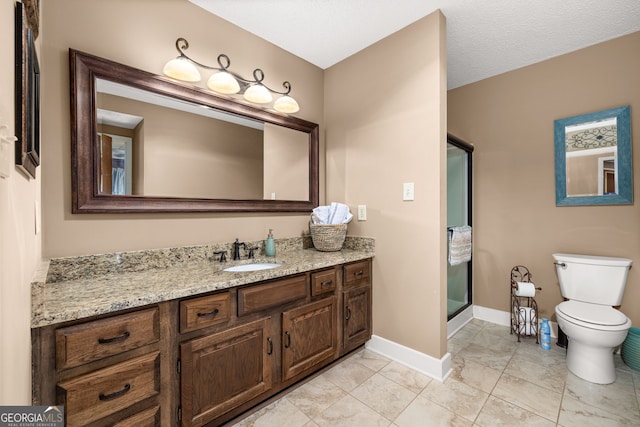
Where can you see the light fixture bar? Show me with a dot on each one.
(229, 82)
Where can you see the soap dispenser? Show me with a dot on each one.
(270, 245)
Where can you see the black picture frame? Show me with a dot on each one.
(27, 92)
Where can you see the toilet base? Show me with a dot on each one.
(593, 364)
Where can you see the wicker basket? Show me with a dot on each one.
(328, 237)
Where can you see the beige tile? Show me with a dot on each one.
(529, 396)
(406, 377)
(423, 412)
(544, 368)
(497, 412)
(311, 424)
(496, 339)
(349, 412)
(348, 374)
(461, 339)
(575, 413)
(617, 398)
(384, 396)
(279, 413)
(371, 359)
(457, 397)
(315, 396)
(474, 374)
(486, 356)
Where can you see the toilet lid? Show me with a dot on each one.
(593, 313)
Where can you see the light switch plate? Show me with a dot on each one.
(407, 191)
(362, 212)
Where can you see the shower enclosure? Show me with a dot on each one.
(458, 213)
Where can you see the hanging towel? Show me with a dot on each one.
(459, 244)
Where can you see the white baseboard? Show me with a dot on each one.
(438, 369)
(504, 318)
(491, 315)
(458, 322)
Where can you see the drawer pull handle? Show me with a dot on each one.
(288, 336)
(115, 394)
(270, 342)
(209, 314)
(358, 273)
(327, 283)
(348, 313)
(114, 339)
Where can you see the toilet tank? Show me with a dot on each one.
(593, 279)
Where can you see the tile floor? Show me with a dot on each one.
(496, 381)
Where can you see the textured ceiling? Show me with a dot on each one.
(484, 37)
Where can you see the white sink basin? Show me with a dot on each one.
(253, 267)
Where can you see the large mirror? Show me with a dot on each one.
(593, 159)
(144, 143)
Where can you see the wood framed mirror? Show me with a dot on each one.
(593, 159)
(145, 143)
(27, 86)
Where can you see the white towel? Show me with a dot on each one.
(459, 244)
(322, 214)
(336, 213)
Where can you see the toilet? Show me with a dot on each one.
(592, 285)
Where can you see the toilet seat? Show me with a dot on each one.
(593, 316)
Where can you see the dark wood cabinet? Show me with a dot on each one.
(356, 305)
(224, 370)
(206, 359)
(309, 336)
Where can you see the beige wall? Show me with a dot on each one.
(19, 243)
(385, 112)
(509, 118)
(142, 34)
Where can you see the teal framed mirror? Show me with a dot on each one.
(593, 159)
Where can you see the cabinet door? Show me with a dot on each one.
(309, 336)
(356, 317)
(223, 370)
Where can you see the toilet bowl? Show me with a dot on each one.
(592, 286)
(591, 344)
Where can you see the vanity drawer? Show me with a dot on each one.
(260, 297)
(101, 393)
(87, 342)
(147, 418)
(198, 313)
(323, 282)
(357, 273)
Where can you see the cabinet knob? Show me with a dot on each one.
(348, 313)
(270, 342)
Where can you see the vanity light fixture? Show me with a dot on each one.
(227, 82)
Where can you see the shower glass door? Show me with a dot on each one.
(458, 213)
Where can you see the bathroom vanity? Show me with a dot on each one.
(170, 338)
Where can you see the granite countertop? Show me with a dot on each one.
(74, 288)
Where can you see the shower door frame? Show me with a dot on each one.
(468, 148)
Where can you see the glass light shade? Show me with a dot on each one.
(223, 82)
(286, 104)
(181, 69)
(258, 94)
